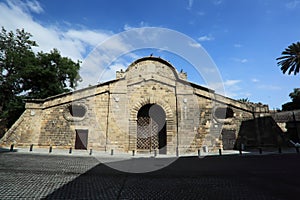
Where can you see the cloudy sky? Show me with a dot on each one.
(242, 37)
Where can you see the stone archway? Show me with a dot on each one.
(170, 124)
(151, 129)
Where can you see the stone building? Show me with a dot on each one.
(289, 122)
(149, 106)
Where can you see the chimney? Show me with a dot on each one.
(120, 74)
(183, 75)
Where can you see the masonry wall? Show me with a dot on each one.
(26, 129)
(50, 123)
(111, 114)
(152, 83)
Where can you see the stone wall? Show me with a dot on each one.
(110, 113)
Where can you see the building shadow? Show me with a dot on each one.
(216, 177)
(103, 182)
(261, 132)
(293, 128)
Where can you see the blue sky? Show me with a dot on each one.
(243, 37)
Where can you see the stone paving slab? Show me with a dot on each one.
(44, 176)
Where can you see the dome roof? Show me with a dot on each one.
(155, 59)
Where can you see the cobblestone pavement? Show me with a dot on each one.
(31, 176)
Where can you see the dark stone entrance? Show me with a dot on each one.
(81, 139)
(228, 139)
(151, 129)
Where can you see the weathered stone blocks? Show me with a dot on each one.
(111, 113)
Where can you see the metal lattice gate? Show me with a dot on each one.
(147, 134)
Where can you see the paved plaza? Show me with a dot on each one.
(49, 176)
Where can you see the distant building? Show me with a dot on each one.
(149, 106)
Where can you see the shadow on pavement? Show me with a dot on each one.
(216, 177)
(6, 150)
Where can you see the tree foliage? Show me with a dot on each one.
(295, 95)
(53, 75)
(25, 74)
(244, 100)
(295, 103)
(290, 59)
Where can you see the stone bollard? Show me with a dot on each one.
(91, 151)
(155, 152)
(199, 153)
(205, 149)
(31, 147)
(133, 152)
(279, 150)
(260, 150)
(50, 149)
(241, 152)
(70, 150)
(111, 152)
(177, 152)
(220, 152)
(11, 147)
(242, 147)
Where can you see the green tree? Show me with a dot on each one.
(295, 103)
(290, 59)
(24, 74)
(15, 55)
(295, 95)
(53, 75)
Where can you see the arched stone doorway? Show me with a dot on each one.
(151, 129)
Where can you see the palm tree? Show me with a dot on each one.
(244, 100)
(290, 59)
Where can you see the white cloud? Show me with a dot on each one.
(254, 80)
(195, 45)
(89, 37)
(238, 45)
(229, 83)
(26, 6)
(232, 89)
(98, 66)
(190, 4)
(127, 27)
(217, 2)
(34, 6)
(71, 42)
(141, 24)
(200, 13)
(269, 87)
(245, 94)
(240, 60)
(292, 4)
(230, 86)
(110, 73)
(206, 38)
(243, 60)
